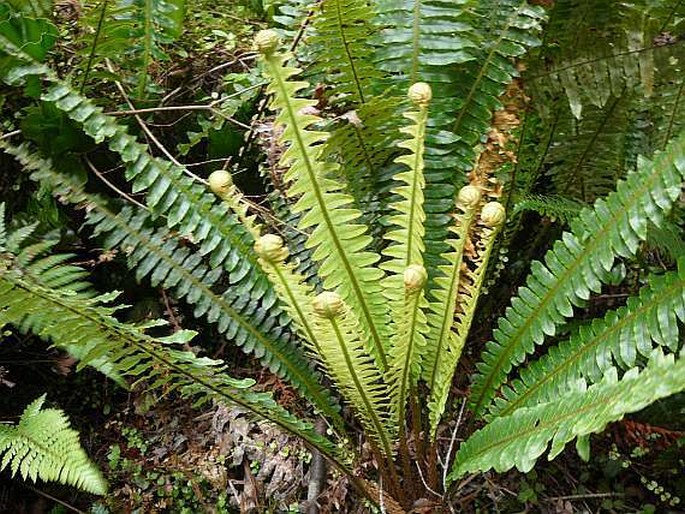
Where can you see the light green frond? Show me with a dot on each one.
(471, 278)
(221, 184)
(406, 216)
(43, 446)
(579, 263)
(349, 365)
(521, 438)
(443, 296)
(296, 296)
(337, 237)
(617, 339)
(409, 342)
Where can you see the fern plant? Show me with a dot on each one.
(389, 311)
(42, 446)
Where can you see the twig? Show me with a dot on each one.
(10, 134)
(446, 465)
(191, 107)
(466, 481)
(381, 495)
(210, 161)
(246, 56)
(113, 187)
(234, 491)
(174, 322)
(587, 496)
(423, 480)
(148, 132)
(50, 497)
(198, 107)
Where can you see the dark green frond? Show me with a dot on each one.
(587, 157)
(186, 205)
(598, 49)
(617, 339)
(341, 35)
(246, 318)
(70, 320)
(521, 438)
(43, 446)
(553, 207)
(578, 264)
(132, 32)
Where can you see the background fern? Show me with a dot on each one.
(133, 32)
(43, 446)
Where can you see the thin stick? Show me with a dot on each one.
(10, 134)
(451, 446)
(168, 108)
(112, 186)
(381, 494)
(583, 496)
(192, 107)
(428, 488)
(50, 497)
(148, 132)
(246, 56)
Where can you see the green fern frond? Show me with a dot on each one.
(578, 265)
(409, 342)
(50, 271)
(521, 438)
(153, 252)
(430, 41)
(341, 34)
(601, 50)
(588, 156)
(338, 239)
(512, 28)
(468, 74)
(349, 364)
(424, 38)
(43, 446)
(186, 206)
(361, 140)
(133, 32)
(72, 320)
(443, 296)
(406, 232)
(470, 282)
(617, 339)
(554, 207)
(668, 240)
